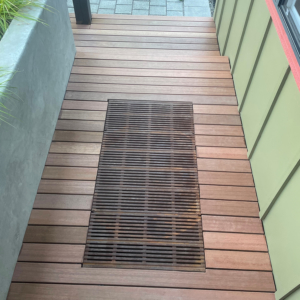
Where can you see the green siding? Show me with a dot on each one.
(283, 240)
(278, 145)
(268, 74)
(227, 14)
(269, 103)
(253, 37)
(236, 31)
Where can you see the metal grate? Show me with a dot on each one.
(145, 211)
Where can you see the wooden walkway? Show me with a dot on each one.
(146, 58)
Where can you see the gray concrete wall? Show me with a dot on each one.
(43, 57)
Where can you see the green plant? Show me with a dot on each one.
(10, 9)
(5, 94)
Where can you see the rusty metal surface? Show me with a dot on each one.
(146, 211)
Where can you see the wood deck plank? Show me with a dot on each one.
(232, 224)
(223, 165)
(78, 136)
(217, 119)
(72, 173)
(228, 193)
(219, 141)
(75, 148)
(75, 187)
(237, 260)
(52, 253)
(139, 45)
(84, 105)
(235, 241)
(219, 130)
(151, 72)
(229, 208)
(211, 279)
(72, 160)
(146, 80)
(82, 115)
(199, 99)
(132, 88)
(30, 291)
(56, 234)
(57, 201)
(80, 125)
(59, 217)
(225, 178)
(222, 152)
(148, 67)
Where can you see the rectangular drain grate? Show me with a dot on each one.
(146, 206)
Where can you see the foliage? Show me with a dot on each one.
(10, 9)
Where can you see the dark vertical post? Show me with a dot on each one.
(82, 10)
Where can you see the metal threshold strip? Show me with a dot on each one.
(146, 207)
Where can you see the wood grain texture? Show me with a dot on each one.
(199, 99)
(210, 119)
(143, 80)
(219, 130)
(82, 115)
(228, 193)
(83, 42)
(159, 56)
(72, 160)
(225, 178)
(84, 105)
(149, 72)
(211, 279)
(220, 141)
(229, 208)
(148, 66)
(132, 88)
(80, 125)
(75, 148)
(78, 136)
(52, 253)
(223, 165)
(146, 58)
(237, 260)
(141, 27)
(30, 291)
(75, 187)
(216, 109)
(227, 153)
(59, 217)
(72, 173)
(235, 241)
(55, 234)
(57, 201)
(232, 224)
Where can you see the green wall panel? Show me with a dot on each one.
(265, 83)
(227, 15)
(282, 231)
(270, 113)
(254, 33)
(238, 23)
(279, 143)
(294, 296)
(218, 13)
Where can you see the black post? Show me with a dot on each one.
(82, 10)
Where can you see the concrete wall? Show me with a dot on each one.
(43, 57)
(269, 103)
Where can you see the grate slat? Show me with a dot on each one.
(146, 204)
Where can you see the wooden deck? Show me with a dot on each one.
(146, 58)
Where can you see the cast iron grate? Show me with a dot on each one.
(146, 211)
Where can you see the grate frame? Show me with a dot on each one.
(146, 204)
